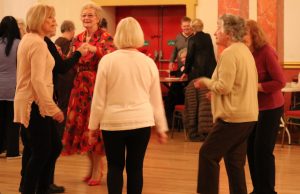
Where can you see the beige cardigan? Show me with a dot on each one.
(34, 79)
(234, 86)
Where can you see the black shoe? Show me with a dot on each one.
(56, 189)
(20, 189)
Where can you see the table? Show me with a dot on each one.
(289, 87)
(166, 81)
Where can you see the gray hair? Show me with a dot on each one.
(234, 26)
(67, 26)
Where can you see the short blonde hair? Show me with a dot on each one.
(129, 34)
(93, 6)
(37, 15)
(197, 25)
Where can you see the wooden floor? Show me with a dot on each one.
(168, 169)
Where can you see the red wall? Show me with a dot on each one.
(160, 24)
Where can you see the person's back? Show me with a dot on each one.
(127, 102)
(200, 61)
(131, 74)
(8, 70)
(9, 41)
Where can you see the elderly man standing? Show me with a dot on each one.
(233, 89)
(200, 62)
(181, 40)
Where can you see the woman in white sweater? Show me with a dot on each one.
(127, 101)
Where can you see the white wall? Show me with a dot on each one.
(67, 10)
(15, 8)
(110, 14)
(207, 10)
(291, 31)
(253, 9)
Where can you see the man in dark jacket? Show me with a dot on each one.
(200, 62)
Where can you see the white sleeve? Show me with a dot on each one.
(157, 103)
(99, 97)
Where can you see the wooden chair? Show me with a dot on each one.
(291, 117)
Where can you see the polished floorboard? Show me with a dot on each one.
(168, 169)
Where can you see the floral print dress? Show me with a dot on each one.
(75, 138)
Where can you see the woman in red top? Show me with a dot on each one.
(270, 99)
(75, 138)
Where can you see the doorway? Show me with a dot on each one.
(160, 24)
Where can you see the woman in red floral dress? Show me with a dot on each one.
(75, 138)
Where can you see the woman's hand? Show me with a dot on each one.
(208, 96)
(58, 48)
(93, 136)
(91, 48)
(198, 83)
(171, 66)
(59, 117)
(162, 137)
(83, 49)
(183, 76)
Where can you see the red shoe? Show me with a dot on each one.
(94, 182)
(87, 179)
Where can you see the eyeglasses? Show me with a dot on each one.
(87, 15)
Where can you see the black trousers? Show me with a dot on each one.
(175, 96)
(9, 131)
(63, 90)
(261, 145)
(228, 141)
(134, 144)
(42, 147)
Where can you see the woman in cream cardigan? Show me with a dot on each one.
(34, 107)
(127, 101)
